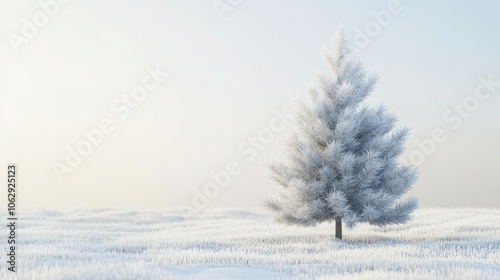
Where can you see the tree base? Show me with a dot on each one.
(338, 228)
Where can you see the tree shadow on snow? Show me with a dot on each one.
(421, 239)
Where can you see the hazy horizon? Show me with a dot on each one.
(233, 75)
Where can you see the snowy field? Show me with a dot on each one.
(246, 244)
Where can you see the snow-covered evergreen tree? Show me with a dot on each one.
(344, 158)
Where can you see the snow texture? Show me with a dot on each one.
(247, 244)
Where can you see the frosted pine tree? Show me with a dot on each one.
(344, 158)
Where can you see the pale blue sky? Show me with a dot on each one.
(225, 79)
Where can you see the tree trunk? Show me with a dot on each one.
(338, 228)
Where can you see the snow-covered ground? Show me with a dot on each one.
(246, 244)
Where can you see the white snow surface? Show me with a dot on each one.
(247, 244)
